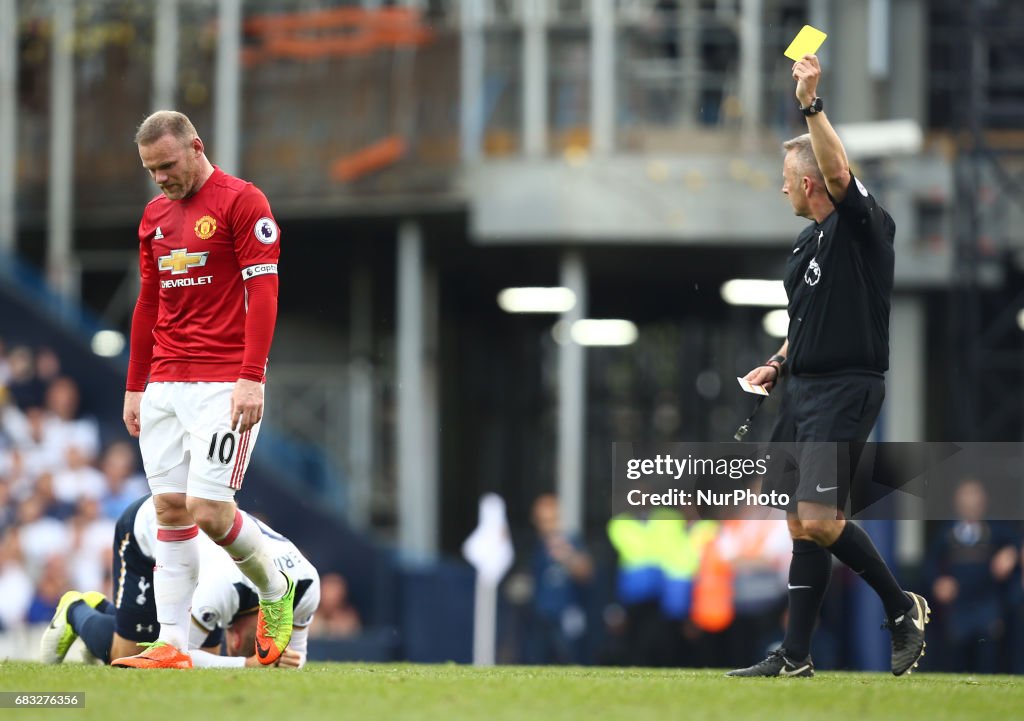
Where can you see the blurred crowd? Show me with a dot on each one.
(703, 593)
(61, 492)
(684, 591)
(60, 489)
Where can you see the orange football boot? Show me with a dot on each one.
(159, 654)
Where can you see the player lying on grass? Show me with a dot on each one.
(224, 599)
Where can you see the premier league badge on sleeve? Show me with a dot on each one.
(266, 231)
(813, 273)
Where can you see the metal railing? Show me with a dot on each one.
(326, 119)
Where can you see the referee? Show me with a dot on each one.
(839, 279)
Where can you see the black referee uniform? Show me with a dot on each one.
(839, 281)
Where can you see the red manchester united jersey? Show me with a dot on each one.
(197, 254)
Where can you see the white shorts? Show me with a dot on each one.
(187, 443)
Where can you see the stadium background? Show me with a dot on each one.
(421, 157)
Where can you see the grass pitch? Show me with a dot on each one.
(400, 692)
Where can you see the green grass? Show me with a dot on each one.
(397, 692)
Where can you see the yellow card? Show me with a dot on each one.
(806, 42)
(751, 388)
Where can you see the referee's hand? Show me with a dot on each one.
(807, 73)
(763, 376)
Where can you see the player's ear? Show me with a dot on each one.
(197, 145)
(231, 640)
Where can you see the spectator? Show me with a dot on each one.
(47, 366)
(5, 365)
(39, 536)
(15, 584)
(90, 534)
(7, 508)
(123, 483)
(64, 428)
(335, 617)
(561, 570)
(25, 388)
(78, 480)
(52, 584)
(35, 449)
(972, 560)
(758, 552)
(639, 584)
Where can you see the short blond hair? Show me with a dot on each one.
(166, 122)
(807, 164)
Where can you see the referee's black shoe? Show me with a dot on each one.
(908, 635)
(777, 664)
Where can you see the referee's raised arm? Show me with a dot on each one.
(828, 148)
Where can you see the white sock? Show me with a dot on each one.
(248, 547)
(174, 581)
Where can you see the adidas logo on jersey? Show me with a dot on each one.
(159, 235)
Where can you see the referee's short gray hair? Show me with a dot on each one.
(806, 162)
(166, 122)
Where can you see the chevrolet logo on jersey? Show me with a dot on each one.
(180, 260)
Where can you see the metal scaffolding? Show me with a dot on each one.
(985, 343)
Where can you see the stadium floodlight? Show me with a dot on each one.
(881, 139)
(604, 332)
(108, 343)
(776, 323)
(1020, 319)
(749, 291)
(536, 300)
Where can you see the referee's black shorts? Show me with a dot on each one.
(819, 411)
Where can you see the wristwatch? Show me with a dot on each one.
(816, 106)
(777, 362)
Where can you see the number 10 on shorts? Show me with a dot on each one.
(225, 451)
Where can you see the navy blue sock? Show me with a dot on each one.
(106, 607)
(809, 574)
(96, 629)
(855, 549)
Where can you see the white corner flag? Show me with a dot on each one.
(489, 550)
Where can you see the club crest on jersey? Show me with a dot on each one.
(180, 261)
(266, 231)
(206, 227)
(813, 273)
(208, 616)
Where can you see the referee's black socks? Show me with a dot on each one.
(809, 574)
(855, 549)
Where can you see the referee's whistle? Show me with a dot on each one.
(742, 431)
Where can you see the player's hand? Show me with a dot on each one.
(763, 376)
(807, 73)
(132, 404)
(290, 659)
(246, 404)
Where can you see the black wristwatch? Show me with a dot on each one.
(816, 106)
(777, 362)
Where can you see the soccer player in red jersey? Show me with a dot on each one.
(201, 334)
